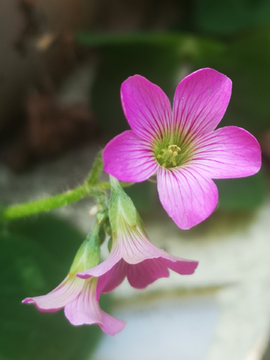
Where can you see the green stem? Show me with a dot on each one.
(34, 207)
(91, 187)
(53, 202)
(96, 170)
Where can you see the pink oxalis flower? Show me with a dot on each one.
(78, 297)
(181, 145)
(132, 253)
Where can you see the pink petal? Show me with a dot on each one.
(200, 101)
(228, 152)
(104, 267)
(84, 309)
(112, 278)
(146, 107)
(181, 266)
(111, 325)
(135, 246)
(67, 291)
(186, 195)
(128, 158)
(145, 273)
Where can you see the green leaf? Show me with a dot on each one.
(35, 257)
(242, 194)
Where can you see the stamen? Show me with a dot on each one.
(168, 157)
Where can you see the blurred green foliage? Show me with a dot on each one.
(242, 194)
(35, 257)
(227, 17)
(246, 60)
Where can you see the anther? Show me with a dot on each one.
(175, 153)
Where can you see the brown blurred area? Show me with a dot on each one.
(38, 53)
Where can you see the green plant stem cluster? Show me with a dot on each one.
(92, 187)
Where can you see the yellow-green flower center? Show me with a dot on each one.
(169, 157)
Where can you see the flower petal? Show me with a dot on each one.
(67, 291)
(135, 246)
(112, 278)
(181, 266)
(111, 325)
(104, 267)
(142, 274)
(128, 158)
(200, 101)
(228, 152)
(146, 107)
(186, 195)
(85, 308)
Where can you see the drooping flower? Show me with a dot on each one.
(78, 297)
(132, 253)
(181, 146)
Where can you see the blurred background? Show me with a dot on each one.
(61, 66)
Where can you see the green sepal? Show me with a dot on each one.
(88, 255)
(121, 206)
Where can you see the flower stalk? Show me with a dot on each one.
(91, 187)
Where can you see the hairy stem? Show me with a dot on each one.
(91, 187)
